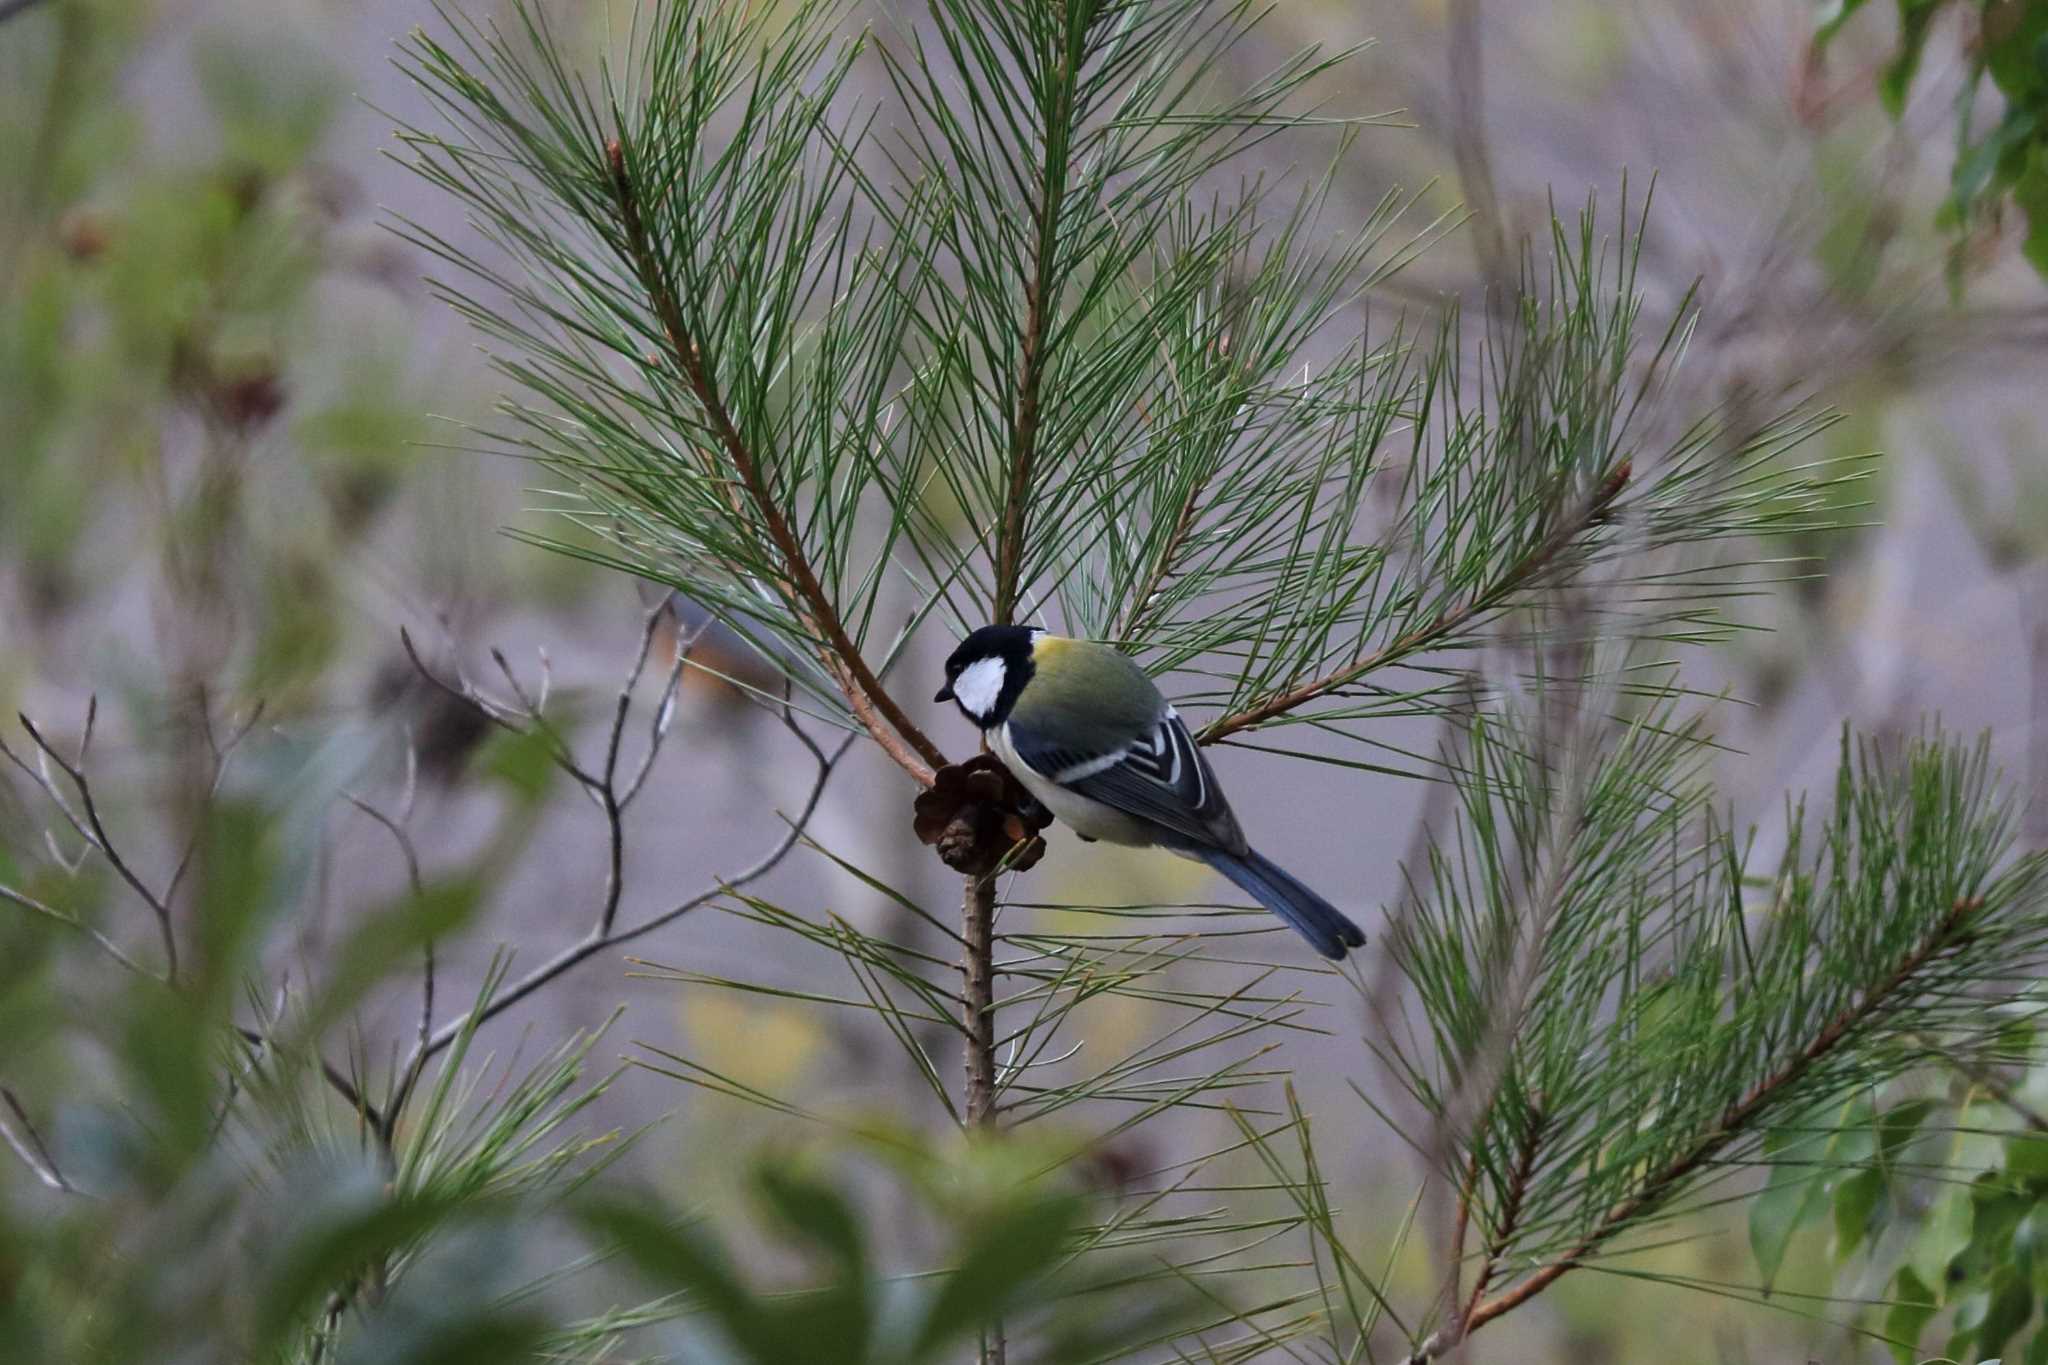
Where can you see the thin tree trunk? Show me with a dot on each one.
(977, 922)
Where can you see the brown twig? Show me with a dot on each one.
(798, 583)
(1040, 288)
(977, 921)
(1468, 1185)
(1510, 1216)
(1183, 526)
(1040, 297)
(1527, 571)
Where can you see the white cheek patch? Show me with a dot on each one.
(978, 686)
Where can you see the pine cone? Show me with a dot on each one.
(980, 818)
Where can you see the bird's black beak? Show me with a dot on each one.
(945, 693)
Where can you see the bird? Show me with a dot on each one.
(1091, 737)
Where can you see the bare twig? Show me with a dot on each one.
(222, 752)
(31, 904)
(664, 715)
(461, 689)
(609, 797)
(535, 710)
(92, 829)
(28, 1144)
(604, 786)
(402, 1088)
(877, 711)
(406, 848)
(592, 944)
(86, 821)
(258, 1042)
(1989, 1081)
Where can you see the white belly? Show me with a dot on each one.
(1077, 812)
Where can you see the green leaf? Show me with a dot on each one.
(1792, 1196)
(330, 1248)
(816, 1212)
(1976, 167)
(821, 1217)
(2015, 41)
(524, 762)
(2030, 1236)
(382, 941)
(272, 98)
(1944, 1236)
(2026, 1158)
(1916, 19)
(1832, 16)
(678, 1259)
(490, 1337)
(1006, 1251)
(1858, 1198)
(1913, 1306)
(2012, 1303)
(2030, 193)
(1898, 1124)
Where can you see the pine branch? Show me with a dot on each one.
(1143, 602)
(1510, 1213)
(1526, 572)
(1736, 1121)
(1041, 291)
(877, 711)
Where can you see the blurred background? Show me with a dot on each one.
(235, 462)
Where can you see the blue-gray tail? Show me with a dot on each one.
(1315, 919)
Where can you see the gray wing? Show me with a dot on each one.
(1161, 778)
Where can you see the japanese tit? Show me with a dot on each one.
(1089, 735)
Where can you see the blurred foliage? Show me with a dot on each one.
(2008, 162)
(1009, 1236)
(212, 403)
(197, 353)
(192, 1179)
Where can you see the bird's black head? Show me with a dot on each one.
(987, 672)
